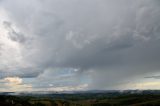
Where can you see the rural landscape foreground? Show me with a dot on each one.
(82, 98)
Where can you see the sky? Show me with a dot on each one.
(59, 45)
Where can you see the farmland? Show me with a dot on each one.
(146, 98)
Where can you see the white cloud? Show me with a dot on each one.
(143, 85)
(14, 84)
(13, 80)
(69, 88)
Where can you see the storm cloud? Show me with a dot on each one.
(87, 44)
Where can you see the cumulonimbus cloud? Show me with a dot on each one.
(111, 40)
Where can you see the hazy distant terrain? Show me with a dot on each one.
(97, 98)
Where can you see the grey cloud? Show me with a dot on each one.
(115, 39)
(154, 77)
(13, 35)
(58, 78)
(22, 73)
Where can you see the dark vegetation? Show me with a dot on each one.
(83, 99)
